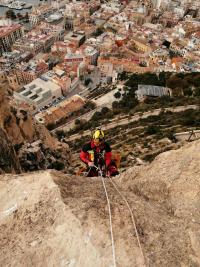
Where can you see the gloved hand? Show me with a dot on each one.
(91, 164)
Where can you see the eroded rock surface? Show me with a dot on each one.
(20, 133)
(52, 219)
(8, 158)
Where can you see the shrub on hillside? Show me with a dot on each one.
(51, 126)
(123, 76)
(89, 105)
(105, 110)
(77, 122)
(96, 116)
(117, 95)
(191, 118)
(60, 134)
(152, 129)
(57, 165)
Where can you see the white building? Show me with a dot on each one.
(151, 90)
(112, 6)
(39, 92)
(91, 55)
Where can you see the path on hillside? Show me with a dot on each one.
(132, 119)
(87, 116)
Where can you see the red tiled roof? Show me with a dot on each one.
(41, 65)
(63, 110)
(6, 30)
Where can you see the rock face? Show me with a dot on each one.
(170, 191)
(38, 229)
(22, 133)
(38, 156)
(8, 159)
(52, 219)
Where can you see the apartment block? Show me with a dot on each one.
(8, 35)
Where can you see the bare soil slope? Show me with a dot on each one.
(52, 219)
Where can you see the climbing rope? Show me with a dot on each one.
(110, 216)
(109, 211)
(110, 220)
(132, 217)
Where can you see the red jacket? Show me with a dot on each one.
(90, 146)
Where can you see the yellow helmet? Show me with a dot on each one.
(98, 134)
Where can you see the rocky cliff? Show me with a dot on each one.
(8, 160)
(52, 219)
(28, 143)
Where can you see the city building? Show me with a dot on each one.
(151, 90)
(60, 77)
(90, 55)
(73, 58)
(25, 73)
(8, 35)
(35, 18)
(77, 38)
(40, 39)
(105, 38)
(39, 13)
(61, 110)
(73, 19)
(141, 45)
(40, 92)
(63, 47)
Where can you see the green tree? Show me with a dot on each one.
(60, 134)
(89, 105)
(87, 81)
(117, 95)
(163, 77)
(115, 104)
(191, 118)
(123, 76)
(51, 126)
(77, 122)
(98, 32)
(97, 116)
(177, 82)
(105, 110)
(10, 14)
(153, 129)
(187, 91)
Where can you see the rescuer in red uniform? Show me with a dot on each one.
(97, 154)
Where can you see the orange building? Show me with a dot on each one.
(62, 110)
(126, 64)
